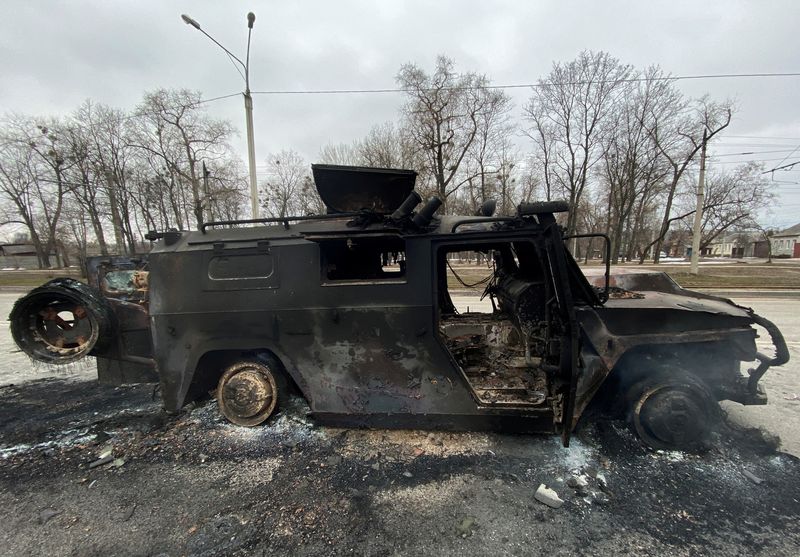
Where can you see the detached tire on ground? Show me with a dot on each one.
(672, 411)
(61, 321)
(248, 392)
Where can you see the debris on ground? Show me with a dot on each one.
(327, 491)
(466, 526)
(101, 461)
(576, 482)
(47, 514)
(548, 496)
(752, 477)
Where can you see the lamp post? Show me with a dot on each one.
(248, 103)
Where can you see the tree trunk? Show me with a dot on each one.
(115, 217)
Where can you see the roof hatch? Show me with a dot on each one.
(346, 189)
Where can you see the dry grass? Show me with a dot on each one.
(736, 276)
(34, 278)
(757, 276)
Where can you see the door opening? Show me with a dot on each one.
(493, 317)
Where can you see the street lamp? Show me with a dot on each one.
(248, 102)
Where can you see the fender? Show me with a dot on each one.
(175, 392)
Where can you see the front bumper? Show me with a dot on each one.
(755, 393)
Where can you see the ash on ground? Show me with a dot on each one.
(93, 470)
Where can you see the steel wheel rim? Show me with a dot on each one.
(671, 416)
(247, 394)
(47, 333)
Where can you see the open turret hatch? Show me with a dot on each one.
(346, 189)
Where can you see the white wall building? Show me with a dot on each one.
(786, 242)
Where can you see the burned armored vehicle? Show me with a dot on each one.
(359, 311)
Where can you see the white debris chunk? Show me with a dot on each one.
(548, 496)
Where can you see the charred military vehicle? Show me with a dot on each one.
(358, 311)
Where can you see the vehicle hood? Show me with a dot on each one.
(654, 303)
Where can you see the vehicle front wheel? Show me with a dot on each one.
(248, 393)
(672, 411)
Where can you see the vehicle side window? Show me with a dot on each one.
(125, 284)
(359, 259)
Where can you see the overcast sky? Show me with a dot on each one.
(54, 55)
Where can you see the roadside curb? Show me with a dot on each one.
(721, 292)
(747, 293)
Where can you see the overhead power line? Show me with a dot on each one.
(527, 85)
(786, 157)
(750, 153)
(212, 99)
(764, 137)
(713, 159)
(785, 166)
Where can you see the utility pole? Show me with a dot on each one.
(248, 109)
(206, 195)
(698, 213)
(248, 103)
(251, 154)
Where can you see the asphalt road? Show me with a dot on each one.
(195, 485)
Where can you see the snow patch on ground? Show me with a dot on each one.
(575, 457)
(64, 439)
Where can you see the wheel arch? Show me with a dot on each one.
(644, 360)
(210, 363)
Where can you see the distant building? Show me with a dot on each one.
(761, 248)
(734, 245)
(786, 243)
(20, 256)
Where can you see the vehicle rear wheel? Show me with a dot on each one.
(248, 393)
(61, 321)
(672, 411)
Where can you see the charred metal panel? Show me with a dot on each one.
(117, 372)
(347, 188)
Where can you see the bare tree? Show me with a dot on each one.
(568, 110)
(732, 200)
(341, 154)
(108, 132)
(18, 186)
(507, 176)
(483, 159)
(386, 146)
(444, 114)
(173, 127)
(633, 167)
(34, 169)
(88, 211)
(678, 130)
(289, 189)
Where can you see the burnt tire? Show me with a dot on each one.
(249, 391)
(672, 411)
(61, 321)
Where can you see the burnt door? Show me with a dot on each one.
(362, 342)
